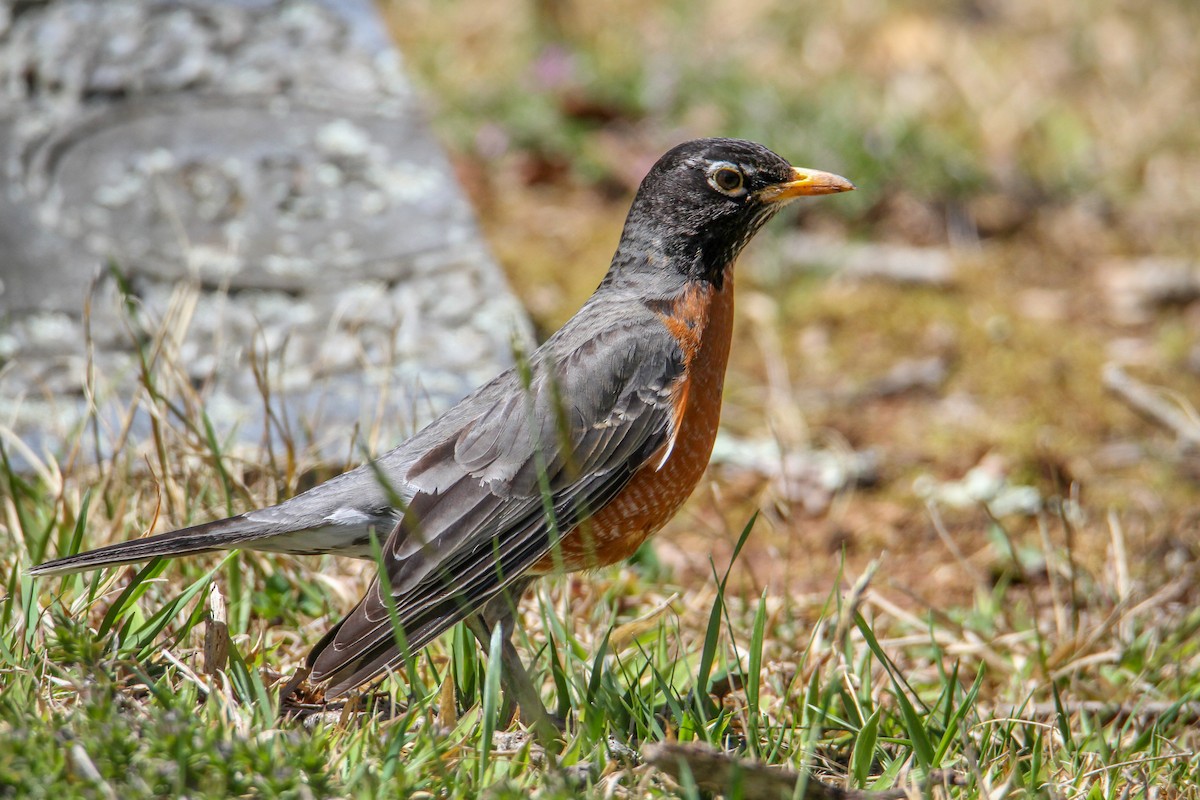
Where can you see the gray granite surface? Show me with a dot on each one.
(223, 188)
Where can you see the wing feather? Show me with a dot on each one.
(494, 497)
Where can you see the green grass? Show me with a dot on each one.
(104, 693)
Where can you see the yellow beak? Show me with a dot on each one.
(805, 182)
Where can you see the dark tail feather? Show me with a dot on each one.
(222, 534)
(344, 675)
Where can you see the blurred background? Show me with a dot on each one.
(1025, 229)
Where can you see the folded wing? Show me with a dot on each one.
(508, 480)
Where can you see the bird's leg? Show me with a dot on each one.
(513, 676)
(519, 690)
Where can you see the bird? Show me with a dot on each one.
(567, 461)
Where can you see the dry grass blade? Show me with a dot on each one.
(626, 634)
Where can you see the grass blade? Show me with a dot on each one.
(129, 595)
(145, 634)
(955, 720)
(863, 755)
(250, 687)
(754, 678)
(491, 702)
(712, 634)
(922, 748)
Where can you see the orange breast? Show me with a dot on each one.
(702, 322)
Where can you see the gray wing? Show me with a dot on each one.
(493, 497)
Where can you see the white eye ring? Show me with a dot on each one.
(727, 179)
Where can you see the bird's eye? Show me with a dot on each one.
(727, 179)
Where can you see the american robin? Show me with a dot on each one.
(568, 462)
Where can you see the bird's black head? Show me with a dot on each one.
(704, 200)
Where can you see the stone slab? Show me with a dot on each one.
(222, 189)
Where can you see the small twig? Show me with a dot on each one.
(939, 526)
(1151, 403)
